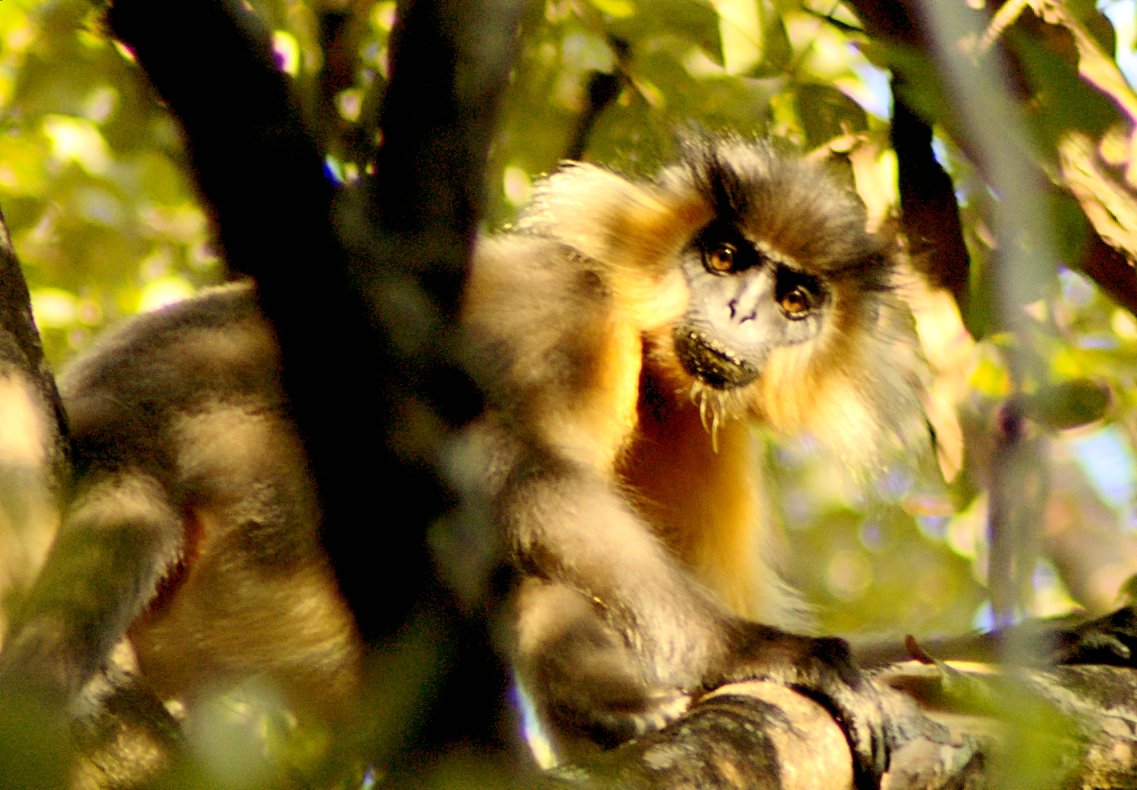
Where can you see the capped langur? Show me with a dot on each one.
(192, 521)
(639, 329)
(634, 332)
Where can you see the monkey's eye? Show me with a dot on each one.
(796, 302)
(797, 294)
(721, 257)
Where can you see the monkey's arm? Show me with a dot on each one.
(572, 529)
(612, 634)
(616, 639)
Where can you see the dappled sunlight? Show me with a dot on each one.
(1022, 490)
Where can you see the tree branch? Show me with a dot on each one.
(929, 213)
(1105, 197)
(369, 356)
(949, 723)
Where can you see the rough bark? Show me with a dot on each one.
(950, 725)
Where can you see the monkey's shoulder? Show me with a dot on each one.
(535, 275)
(538, 313)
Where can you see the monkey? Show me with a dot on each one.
(638, 330)
(191, 524)
(632, 333)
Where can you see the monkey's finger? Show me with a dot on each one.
(657, 709)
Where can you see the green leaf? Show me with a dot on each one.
(1070, 404)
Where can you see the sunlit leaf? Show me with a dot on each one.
(742, 30)
(615, 8)
(825, 113)
(77, 140)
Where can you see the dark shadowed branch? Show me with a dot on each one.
(929, 213)
(362, 292)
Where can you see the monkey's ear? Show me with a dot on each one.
(622, 224)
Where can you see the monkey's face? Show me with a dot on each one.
(745, 302)
(785, 288)
(749, 276)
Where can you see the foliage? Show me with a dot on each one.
(95, 190)
(94, 187)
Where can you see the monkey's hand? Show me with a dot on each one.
(1111, 639)
(822, 669)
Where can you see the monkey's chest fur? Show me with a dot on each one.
(702, 493)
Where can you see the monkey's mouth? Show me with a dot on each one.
(710, 362)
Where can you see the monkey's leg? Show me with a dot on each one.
(118, 540)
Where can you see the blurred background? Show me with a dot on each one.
(1033, 346)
